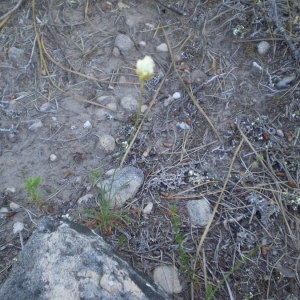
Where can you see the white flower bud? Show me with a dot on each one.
(145, 68)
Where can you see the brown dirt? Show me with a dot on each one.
(242, 145)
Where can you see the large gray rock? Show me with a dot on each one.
(63, 260)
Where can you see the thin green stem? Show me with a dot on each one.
(138, 113)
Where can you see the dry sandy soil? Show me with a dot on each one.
(233, 135)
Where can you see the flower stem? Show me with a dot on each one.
(138, 113)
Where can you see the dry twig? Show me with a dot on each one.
(6, 15)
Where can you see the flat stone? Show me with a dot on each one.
(107, 142)
(123, 185)
(63, 260)
(124, 42)
(36, 125)
(199, 212)
(162, 47)
(263, 47)
(87, 125)
(46, 107)
(167, 278)
(129, 102)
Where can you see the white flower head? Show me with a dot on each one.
(145, 68)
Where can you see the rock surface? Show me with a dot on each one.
(123, 185)
(167, 278)
(199, 212)
(63, 260)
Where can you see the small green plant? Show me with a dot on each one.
(94, 177)
(210, 291)
(183, 257)
(105, 217)
(31, 186)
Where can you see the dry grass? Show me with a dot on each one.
(250, 246)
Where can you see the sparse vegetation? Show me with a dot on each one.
(31, 187)
(106, 217)
(230, 95)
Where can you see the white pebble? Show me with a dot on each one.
(144, 107)
(14, 206)
(257, 66)
(45, 107)
(107, 142)
(11, 190)
(183, 126)
(176, 95)
(53, 157)
(129, 102)
(162, 47)
(38, 124)
(87, 125)
(148, 208)
(263, 47)
(4, 210)
(149, 25)
(142, 43)
(280, 133)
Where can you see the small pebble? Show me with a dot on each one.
(176, 95)
(148, 208)
(116, 52)
(11, 190)
(3, 212)
(87, 125)
(199, 212)
(162, 47)
(14, 206)
(129, 102)
(257, 66)
(45, 107)
(144, 107)
(263, 47)
(124, 42)
(280, 133)
(38, 124)
(53, 157)
(149, 25)
(183, 126)
(107, 142)
(142, 43)
(285, 82)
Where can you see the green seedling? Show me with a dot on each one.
(105, 217)
(94, 177)
(31, 186)
(210, 291)
(183, 257)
